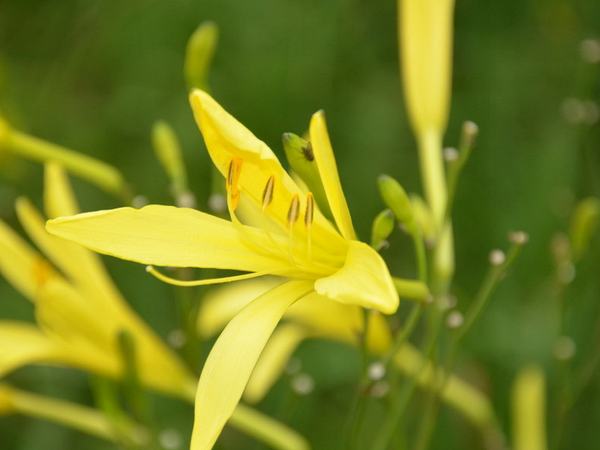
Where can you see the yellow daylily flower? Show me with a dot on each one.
(293, 240)
(79, 310)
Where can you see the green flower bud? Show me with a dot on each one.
(300, 156)
(584, 224)
(395, 198)
(168, 151)
(383, 225)
(199, 55)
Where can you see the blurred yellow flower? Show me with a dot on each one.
(314, 255)
(80, 312)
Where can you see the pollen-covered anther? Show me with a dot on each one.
(267, 196)
(308, 220)
(235, 167)
(294, 211)
(310, 210)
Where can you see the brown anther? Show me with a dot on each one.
(267, 196)
(294, 211)
(308, 152)
(310, 210)
(233, 177)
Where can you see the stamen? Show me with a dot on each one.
(292, 218)
(151, 270)
(267, 196)
(308, 220)
(233, 177)
(267, 199)
(294, 211)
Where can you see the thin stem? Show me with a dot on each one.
(358, 409)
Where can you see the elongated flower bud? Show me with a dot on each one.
(395, 198)
(199, 55)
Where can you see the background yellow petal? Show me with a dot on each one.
(163, 236)
(273, 360)
(364, 280)
(22, 344)
(222, 303)
(18, 261)
(319, 138)
(59, 199)
(233, 358)
(79, 265)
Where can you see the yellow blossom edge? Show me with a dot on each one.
(233, 357)
(323, 153)
(162, 236)
(267, 430)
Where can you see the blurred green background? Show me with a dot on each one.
(95, 75)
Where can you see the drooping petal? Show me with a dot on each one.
(222, 303)
(273, 360)
(266, 429)
(233, 357)
(319, 138)
(164, 236)
(364, 280)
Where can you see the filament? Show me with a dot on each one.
(162, 277)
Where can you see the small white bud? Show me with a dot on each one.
(590, 51)
(450, 154)
(454, 320)
(497, 257)
(170, 439)
(176, 338)
(564, 348)
(376, 371)
(303, 384)
(217, 203)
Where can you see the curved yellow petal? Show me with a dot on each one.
(164, 236)
(233, 358)
(227, 139)
(222, 303)
(274, 358)
(319, 138)
(59, 199)
(364, 280)
(81, 266)
(266, 429)
(22, 344)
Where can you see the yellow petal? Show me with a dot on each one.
(267, 430)
(222, 303)
(323, 153)
(233, 358)
(19, 263)
(59, 199)
(273, 360)
(81, 266)
(227, 139)
(364, 280)
(426, 56)
(22, 344)
(163, 236)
